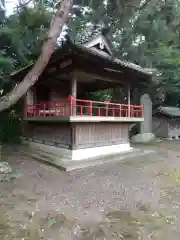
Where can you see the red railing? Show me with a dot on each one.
(72, 106)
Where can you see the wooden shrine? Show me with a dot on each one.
(63, 128)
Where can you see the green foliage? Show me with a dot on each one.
(144, 33)
(147, 34)
(134, 130)
(22, 36)
(6, 64)
(152, 40)
(10, 127)
(104, 95)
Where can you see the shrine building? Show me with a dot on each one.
(65, 129)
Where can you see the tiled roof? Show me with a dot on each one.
(170, 111)
(95, 52)
(118, 61)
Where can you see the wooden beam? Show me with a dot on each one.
(74, 86)
(74, 91)
(102, 78)
(86, 88)
(100, 72)
(129, 101)
(97, 65)
(58, 71)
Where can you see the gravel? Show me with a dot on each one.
(86, 196)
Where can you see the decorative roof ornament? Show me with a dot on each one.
(101, 44)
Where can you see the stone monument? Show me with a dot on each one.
(145, 135)
(146, 126)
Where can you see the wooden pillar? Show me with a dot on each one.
(30, 98)
(129, 101)
(74, 92)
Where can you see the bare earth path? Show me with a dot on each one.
(137, 198)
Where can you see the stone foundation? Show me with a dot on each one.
(72, 159)
(75, 145)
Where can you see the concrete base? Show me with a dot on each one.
(70, 160)
(143, 138)
(169, 138)
(173, 138)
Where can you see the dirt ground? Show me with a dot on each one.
(135, 198)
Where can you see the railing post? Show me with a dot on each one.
(26, 110)
(44, 112)
(81, 110)
(71, 105)
(31, 110)
(120, 110)
(72, 102)
(63, 111)
(132, 111)
(129, 101)
(34, 110)
(74, 106)
(99, 111)
(56, 108)
(39, 114)
(90, 108)
(107, 109)
(113, 114)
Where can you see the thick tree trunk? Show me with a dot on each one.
(31, 78)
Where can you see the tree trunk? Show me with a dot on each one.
(58, 21)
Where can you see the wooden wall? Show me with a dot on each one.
(50, 133)
(77, 135)
(56, 93)
(166, 127)
(160, 126)
(99, 134)
(173, 127)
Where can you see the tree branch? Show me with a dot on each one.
(58, 21)
(23, 4)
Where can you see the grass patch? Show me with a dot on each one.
(170, 190)
(170, 177)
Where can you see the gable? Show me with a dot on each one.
(100, 43)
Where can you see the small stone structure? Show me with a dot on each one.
(143, 138)
(5, 168)
(166, 122)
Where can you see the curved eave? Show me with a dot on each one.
(166, 114)
(114, 63)
(70, 48)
